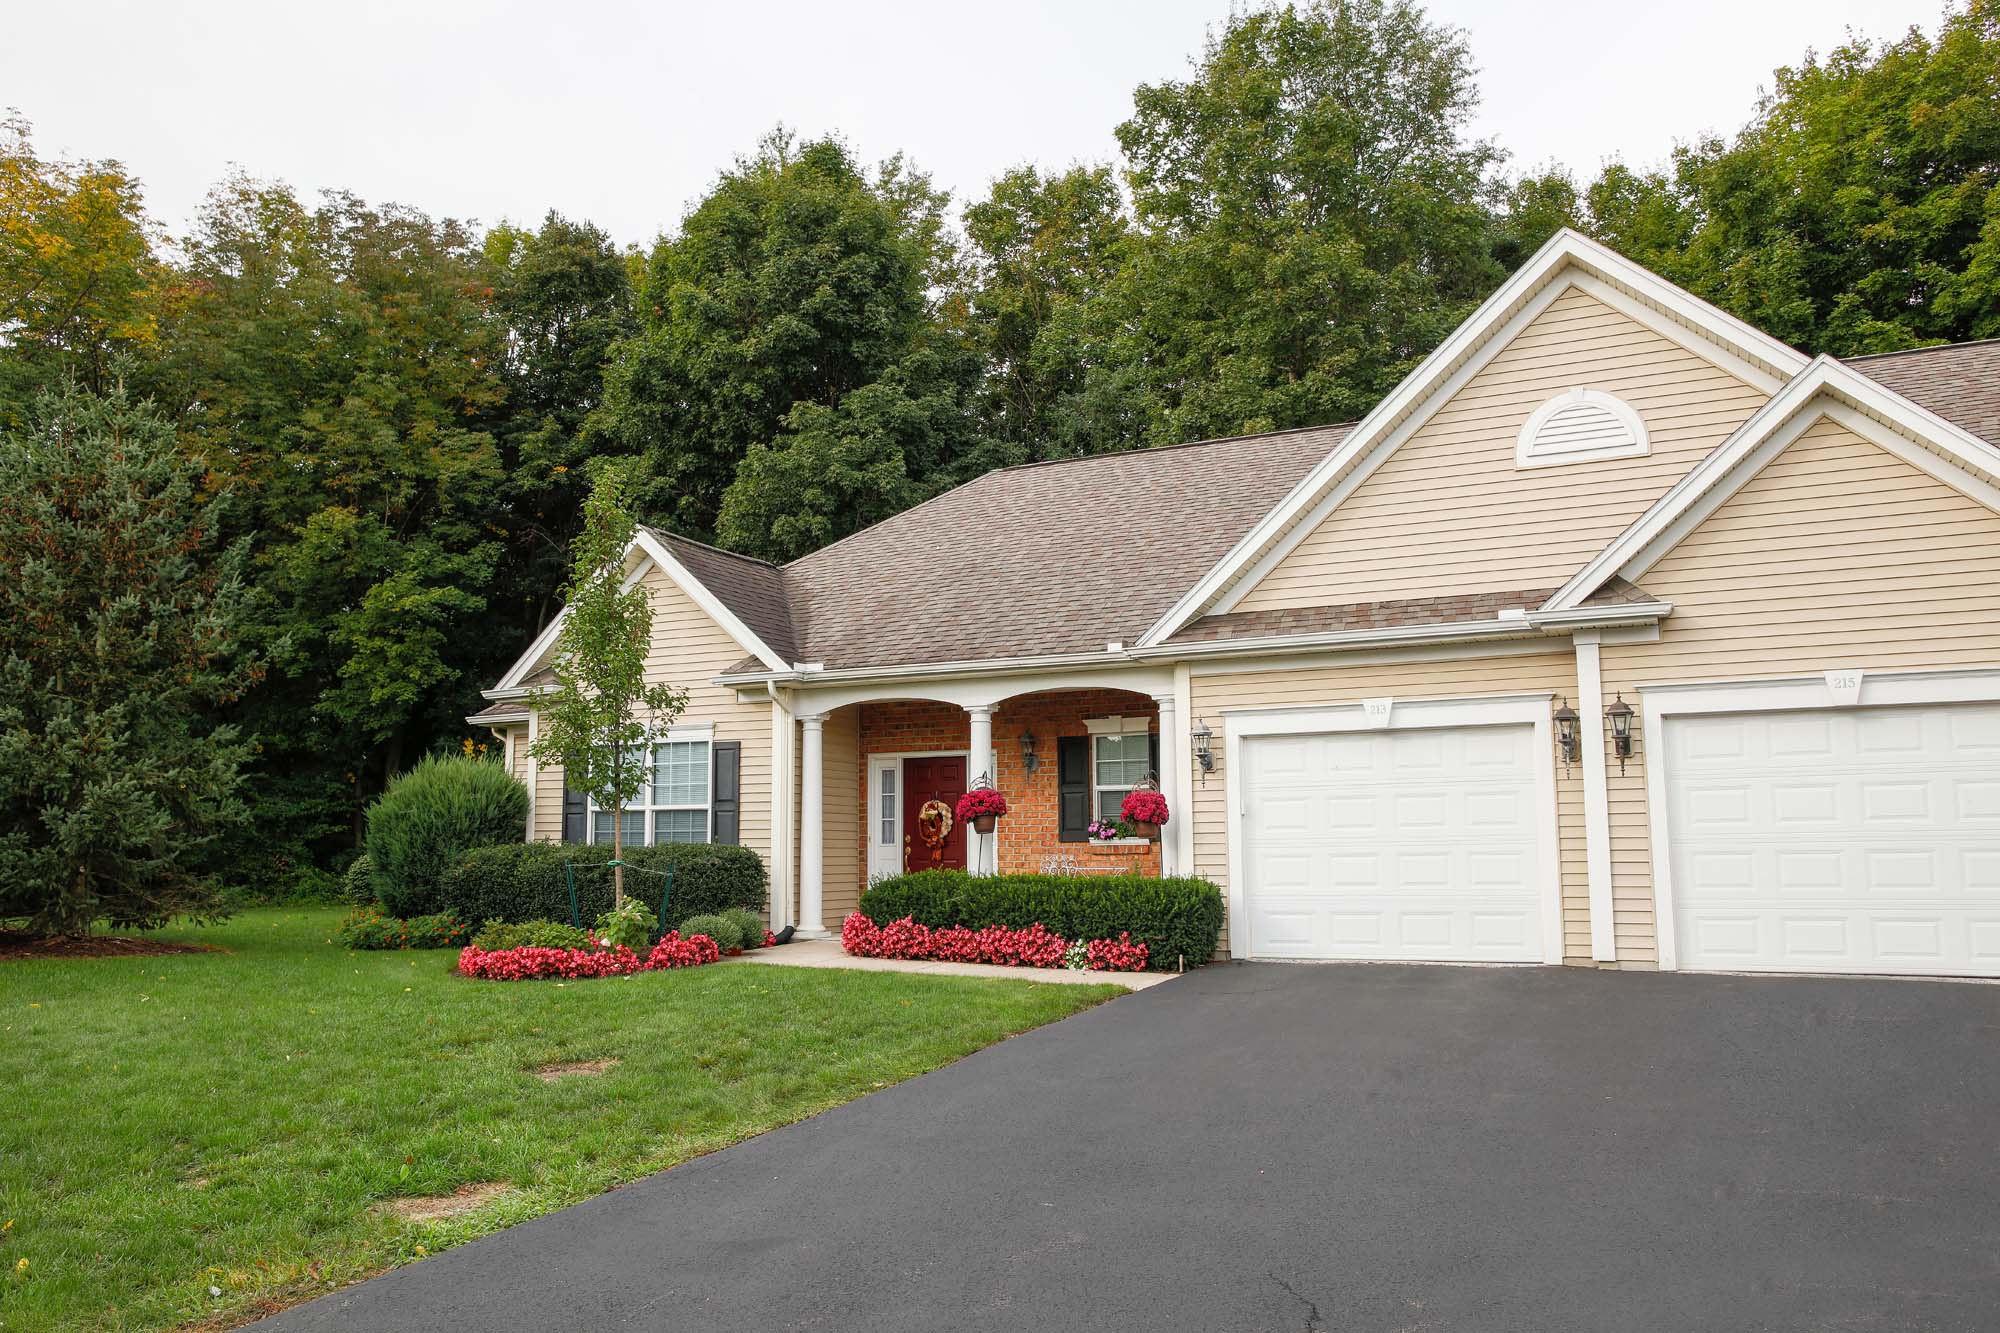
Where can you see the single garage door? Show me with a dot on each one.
(1838, 840)
(1417, 845)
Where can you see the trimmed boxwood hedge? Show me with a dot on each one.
(523, 881)
(1176, 918)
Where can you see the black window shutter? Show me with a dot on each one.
(1153, 754)
(725, 820)
(1073, 789)
(576, 814)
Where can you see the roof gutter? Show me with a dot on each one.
(1522, 625)
(976, 667)
(496, 719)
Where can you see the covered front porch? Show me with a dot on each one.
(868, 760)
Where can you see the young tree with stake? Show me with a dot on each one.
(597, 719)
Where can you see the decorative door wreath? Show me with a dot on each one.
(934, 826)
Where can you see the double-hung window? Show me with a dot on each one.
(1121, 757)
(675, 803)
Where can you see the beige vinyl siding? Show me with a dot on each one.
(689, 649)
(1407, 681)
(1837, 554)
(1449, 512)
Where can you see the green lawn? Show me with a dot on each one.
(233, 1121)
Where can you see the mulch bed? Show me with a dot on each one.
(19, 945)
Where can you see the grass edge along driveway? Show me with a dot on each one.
(202, 1138)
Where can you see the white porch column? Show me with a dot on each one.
(812, 841)
(1596, 796)
(1172, 778)
(979, 760)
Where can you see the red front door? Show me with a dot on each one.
(926, 780)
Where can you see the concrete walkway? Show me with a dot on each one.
(828, 953)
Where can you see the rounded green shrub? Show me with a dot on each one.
(430, 817)
(717, 927)
(357, 882)
(749, 924)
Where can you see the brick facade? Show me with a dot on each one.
(1028, 834)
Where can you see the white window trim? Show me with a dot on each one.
(689, 732)
(1658, 703)
(1527, 454)
(1495, 710)
(1098, 727)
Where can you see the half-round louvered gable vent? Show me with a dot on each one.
(1577, 426)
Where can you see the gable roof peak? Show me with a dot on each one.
(1826, 386)
(1567, 259)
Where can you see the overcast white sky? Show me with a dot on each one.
(624, 112)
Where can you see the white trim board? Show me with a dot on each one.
(1596, 798)
(1658, 703)
(1533, 708)
(1826, 390)
(1568, 259)
(653, 553)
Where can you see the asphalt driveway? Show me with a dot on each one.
(1359, 1147)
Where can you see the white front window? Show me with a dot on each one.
(673, 805)
(1119, 763)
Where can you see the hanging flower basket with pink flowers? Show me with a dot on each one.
(1145, 810)
(980, 807)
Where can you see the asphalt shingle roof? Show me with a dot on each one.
(753, 589)
(1029, 561)
(1959, 382)
(1448, 609)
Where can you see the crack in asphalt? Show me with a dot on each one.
(1314, 1324)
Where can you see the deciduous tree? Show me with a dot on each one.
(799, 279)
(1313, 215)
(596, 721)
(77, 271)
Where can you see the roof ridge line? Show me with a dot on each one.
(1169, 448)
(710, 546)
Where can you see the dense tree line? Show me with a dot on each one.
(389, 420)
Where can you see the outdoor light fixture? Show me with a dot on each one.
(1029, 759)
(1619, 714)
(1566, 721)
(1204, 743)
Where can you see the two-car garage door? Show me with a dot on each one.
(1837, 840)
(1832, 839)
(1418, 844)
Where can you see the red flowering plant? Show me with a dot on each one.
(978, 803)
(1003, 946)
(1143, 806)
(530, 962)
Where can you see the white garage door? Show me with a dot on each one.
(1417, 844)
(1839, 840)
